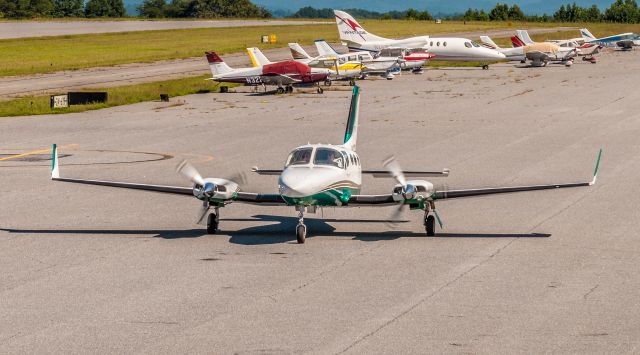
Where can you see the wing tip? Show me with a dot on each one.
(595, 172)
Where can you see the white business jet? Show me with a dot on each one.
(444, 48)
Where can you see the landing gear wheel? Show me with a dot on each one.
(417, 71)
(485, 67)
(327, 82)
(301, 233)
(320, 91)
(288, 89)
(212, 223)
(430, 225)
(352, 82)
(280, 90)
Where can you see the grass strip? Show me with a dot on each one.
(122, 95)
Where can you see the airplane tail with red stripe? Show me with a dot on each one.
(517, 42)
(216, 64)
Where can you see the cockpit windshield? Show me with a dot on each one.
(327, 156)
(475, 44)
(300, 156)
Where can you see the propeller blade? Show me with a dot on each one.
(239, 178)
(187, 170)
(392, 221)
(395, 170)
(438, 218)
(203, 212)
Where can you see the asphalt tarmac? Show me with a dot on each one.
(88, 269)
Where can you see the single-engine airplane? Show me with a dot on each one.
(283, 74)
(321, 175)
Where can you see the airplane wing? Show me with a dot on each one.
(240, 196)
(374, 173)
(387, 174)
(381, 200)
(282, 78)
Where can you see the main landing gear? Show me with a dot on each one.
(301, 229)
(212, 221)
(429, 221)
(485, 67)
(287, 89)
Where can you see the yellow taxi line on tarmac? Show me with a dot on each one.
(32, 153)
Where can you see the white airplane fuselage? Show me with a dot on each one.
(320, 175)
(450, 49)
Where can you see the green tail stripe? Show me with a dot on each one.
(595, 172)
(53, 156)
(352, 114)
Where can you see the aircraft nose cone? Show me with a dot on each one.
(292, 182)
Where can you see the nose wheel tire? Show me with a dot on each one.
(301, 233)
(280, 90)
(212, 223)
(288, 89)
(320, 90)
(430, 225)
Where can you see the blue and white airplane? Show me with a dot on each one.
(626, 41)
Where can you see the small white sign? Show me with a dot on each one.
(59, 101)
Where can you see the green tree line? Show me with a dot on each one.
(410, 14)
(115, 8)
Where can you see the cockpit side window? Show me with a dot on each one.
(327, 156)
(475, 44)
(467, 44)
(300, 156)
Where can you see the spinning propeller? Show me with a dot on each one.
(408, 191)
(205, 190)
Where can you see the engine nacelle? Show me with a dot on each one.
(415, 190)
(215, 189)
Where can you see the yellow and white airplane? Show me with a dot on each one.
(320, 175)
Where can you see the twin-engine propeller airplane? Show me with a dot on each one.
(320, 175)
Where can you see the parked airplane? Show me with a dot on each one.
(625, 41)
(538, 53)
(283, 74)
(320, 175)
(343, 63)
(584, 50)
(451, 49)
(414, 58)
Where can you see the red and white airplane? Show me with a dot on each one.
(285, 75)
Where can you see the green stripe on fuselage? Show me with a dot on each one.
(328, 198)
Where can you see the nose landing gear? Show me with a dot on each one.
(301, 229)
(212, 221)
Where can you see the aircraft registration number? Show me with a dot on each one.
(254, 80)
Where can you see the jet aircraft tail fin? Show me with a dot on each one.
(488, 42)
(324, 48)
(524, 36)
(297, 52)
(586, 33)
(216, 64)
(351, 132)
(517, 42)
(257, 57)
(351, 31)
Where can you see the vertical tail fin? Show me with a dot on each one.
(524, 36)
(297, 52)
(351, 31)
(216, 64)
(351, 132)
(257, 57)
(55, 170)
(516, 42)
(488, 42)
(325, 48)
(586, 34)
